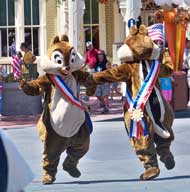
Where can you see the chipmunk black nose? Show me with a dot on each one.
(67, 68)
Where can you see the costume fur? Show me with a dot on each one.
(136, 55)
(62, 126)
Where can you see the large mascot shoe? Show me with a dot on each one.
(150, 173)
(73, 171)
(48, 179)
(168, 160)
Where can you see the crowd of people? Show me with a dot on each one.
(96, 61)
(23, 62)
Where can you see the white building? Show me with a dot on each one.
(37, 21)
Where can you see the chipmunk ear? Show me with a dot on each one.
(143, 30)
(65, 38)
(133, 30)
(55, 40)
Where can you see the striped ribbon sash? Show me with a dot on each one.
(136, 106)
(68, 93)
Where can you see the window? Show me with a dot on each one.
(91, 22)
(31, 24)
(7, 26)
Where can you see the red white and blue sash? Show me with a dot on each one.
(136, 106)
(68, 93)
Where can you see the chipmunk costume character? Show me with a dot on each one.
(64, 123)
(148, 117)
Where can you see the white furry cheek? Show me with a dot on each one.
(49, 66)
(125, 54)
(78, 63)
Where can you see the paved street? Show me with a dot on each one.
(110, 165)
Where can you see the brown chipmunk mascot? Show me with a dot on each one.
(64, 124)
(148, 117)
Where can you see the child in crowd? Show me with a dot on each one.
(3, 72)
(166, 88)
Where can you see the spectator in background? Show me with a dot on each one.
(103, 90)
(28, 60)
(186, 68)
(3, 73)
(114, 87)
(166, 88)
(91, 57)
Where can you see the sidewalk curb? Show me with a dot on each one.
(115, 114)
(182, 114)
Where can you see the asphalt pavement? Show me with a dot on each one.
(110, 165)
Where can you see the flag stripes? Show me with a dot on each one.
(156, 32)
(16, 66)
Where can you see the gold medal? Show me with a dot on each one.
(136, 114)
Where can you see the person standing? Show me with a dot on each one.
(186, 68)
(103, 90)
(28, 60)
(166, 88)
(91, 57)
(114, 87)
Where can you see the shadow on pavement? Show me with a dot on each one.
(110, 120)
(125, 180)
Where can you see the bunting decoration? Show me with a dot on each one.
(16, 62)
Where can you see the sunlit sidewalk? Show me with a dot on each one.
(115, 111)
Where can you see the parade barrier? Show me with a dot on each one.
(179, 98)
(15, 102)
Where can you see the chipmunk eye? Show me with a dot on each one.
(73, 56)
(57, 57)
(59, 60)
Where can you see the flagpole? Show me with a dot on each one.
(130, 9)
(133, 9)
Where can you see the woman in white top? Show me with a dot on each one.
(186, 67)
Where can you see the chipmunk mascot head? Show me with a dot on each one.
(148, 117)
(64, 123)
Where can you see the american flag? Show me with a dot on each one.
(156, 32)
(16, 62)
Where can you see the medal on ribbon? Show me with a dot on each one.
(136, 114)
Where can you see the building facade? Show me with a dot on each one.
(37, 21)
